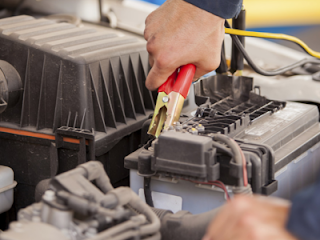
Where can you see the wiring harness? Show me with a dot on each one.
(234, 33)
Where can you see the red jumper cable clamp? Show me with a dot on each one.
(171, 96)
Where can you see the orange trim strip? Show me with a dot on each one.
(38, 135)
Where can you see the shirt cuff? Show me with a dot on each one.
(223, 8)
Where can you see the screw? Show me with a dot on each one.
(165, 99)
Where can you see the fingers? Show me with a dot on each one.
(151, 60)
(223, 226)
(174, 39)
(209, 63)
(245, 218)
(157, 76)
(161, 63)
(201, 71)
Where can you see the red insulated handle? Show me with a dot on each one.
(182, 83)
(184, 80)
(168, 85)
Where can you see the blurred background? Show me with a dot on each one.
(300, 18)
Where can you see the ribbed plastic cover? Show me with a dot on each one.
(75, 76)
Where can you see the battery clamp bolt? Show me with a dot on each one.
(200, 128)
(165, 99)
(194, 131)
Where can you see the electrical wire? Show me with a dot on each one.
(147, 191)
(229, 152)
(245, 174)
(237, 154)
(216, 183)
(222, 148)
(244, 164)
(259, 70)
(278, 36)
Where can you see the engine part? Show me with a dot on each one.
(185, 155)
(7, 185)
(83, 98)
(10, 86)
(30, 230)
(75, 208)
(183, 224)
(302, 87)
(274, 136)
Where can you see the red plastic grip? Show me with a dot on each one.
(180, 83)
(184, 80)
(168, 85)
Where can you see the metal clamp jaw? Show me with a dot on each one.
(171, 96)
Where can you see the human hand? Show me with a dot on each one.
(179, 33)
(251, 218)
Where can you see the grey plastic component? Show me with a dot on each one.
(31, 230)
(289, 132)
(184, 225)
(293, 133)
(195, 198)
(82, 204)
(10, 86)
(186, 155)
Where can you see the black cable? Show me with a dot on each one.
(223, 67)
(147, 191)
(237, 63)
(279, 71)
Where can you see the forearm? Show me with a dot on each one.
(223, 8)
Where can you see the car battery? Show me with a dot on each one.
(288, 131)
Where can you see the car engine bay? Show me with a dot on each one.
(77, 161)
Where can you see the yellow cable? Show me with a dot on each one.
(273, 36)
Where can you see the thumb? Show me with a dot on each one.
(157, 77)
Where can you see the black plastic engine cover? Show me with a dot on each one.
(82, 86)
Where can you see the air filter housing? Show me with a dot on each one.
(83, 97)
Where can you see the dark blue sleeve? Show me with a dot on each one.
(304, 218)
(222, 8)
